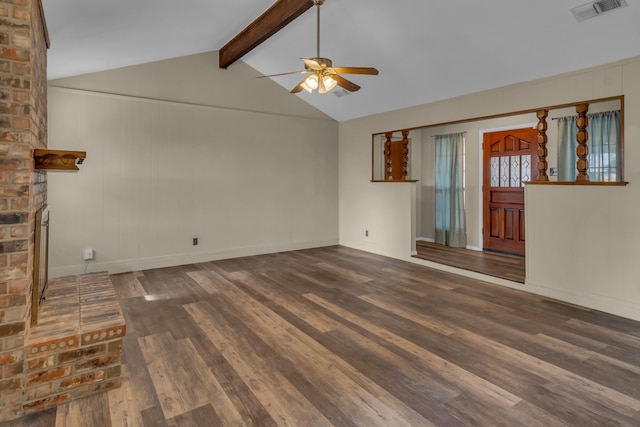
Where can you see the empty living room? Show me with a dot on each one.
(319, 213)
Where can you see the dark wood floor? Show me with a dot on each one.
(504, 266)
(335, 336)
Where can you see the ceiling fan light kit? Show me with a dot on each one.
(324, 84)
(323, 76)
(329, 83)
(311, 83)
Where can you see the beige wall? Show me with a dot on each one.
(581, 241)
(158, 172)
(196, 79)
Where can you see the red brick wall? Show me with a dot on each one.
(66, 359)
(23, 127)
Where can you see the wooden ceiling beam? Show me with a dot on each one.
(270, 22)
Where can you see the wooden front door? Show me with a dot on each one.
(509, 159)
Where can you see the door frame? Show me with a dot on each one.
(481, 133)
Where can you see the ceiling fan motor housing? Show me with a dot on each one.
(323, 62)
(323, 76)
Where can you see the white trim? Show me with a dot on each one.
(152, 100)
(613, 306)
(414, 253)
(474, 248)
(122, 266)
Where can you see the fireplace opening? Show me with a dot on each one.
(41, 261)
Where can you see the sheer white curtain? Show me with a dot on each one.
(603, 144)
(449, 185)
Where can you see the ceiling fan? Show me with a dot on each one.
(322, 74)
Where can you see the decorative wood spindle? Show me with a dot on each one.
(396, 157)
(582, 136)
(405, 154)
(542, 145)
(388, 168)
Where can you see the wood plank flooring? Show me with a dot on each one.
(338, 337)
(504, 266)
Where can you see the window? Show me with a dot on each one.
(603, 144)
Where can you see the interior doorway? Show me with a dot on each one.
(509, 157)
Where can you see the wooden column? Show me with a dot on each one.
(582, 136)
(405, 154)
(542, 145)
(388, 168)
(396, 157)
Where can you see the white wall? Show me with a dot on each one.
(581, 241)
(159, 173)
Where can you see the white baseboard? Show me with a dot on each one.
(613, 306)
(122, 266)
(618, 307)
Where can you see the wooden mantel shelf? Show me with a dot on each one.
(58, 160)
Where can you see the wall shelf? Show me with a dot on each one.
(58, 160)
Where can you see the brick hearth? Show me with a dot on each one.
(75, 350)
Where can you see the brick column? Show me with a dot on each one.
(23, 127)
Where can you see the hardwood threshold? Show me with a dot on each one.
(504, 266)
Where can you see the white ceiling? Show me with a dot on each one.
(425, 50)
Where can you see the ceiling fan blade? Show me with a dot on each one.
(298, 88)
(282, 74)
(356, 70)
(348, 85)
(312, 63)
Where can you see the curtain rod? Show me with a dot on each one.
(447, 134)
(610, 111)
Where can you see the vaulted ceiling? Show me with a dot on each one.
(424, 50)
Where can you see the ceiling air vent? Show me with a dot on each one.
(596, 8)
(341, 92)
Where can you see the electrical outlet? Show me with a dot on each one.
(87, 255)
(366, 233)
(195, 241)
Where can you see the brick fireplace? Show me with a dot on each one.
(75, 348)
(23, 127)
